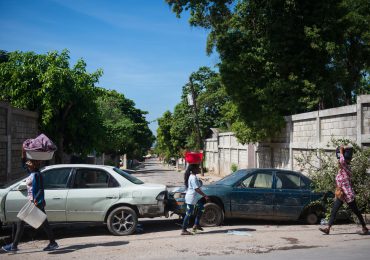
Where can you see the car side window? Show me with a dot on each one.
(287, 180)
(93, 178)
(304, 184)
(56, 178)
(260, 180)
(263, 181)
(247, 182)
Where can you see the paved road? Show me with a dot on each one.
(154, 171)
(160, 238)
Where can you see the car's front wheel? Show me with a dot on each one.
(311, 218)
(122, 221)
(212, 216)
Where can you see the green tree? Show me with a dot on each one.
(164, 145)
(285, 56)
(64, 96)
(126, 130)
(210, 97)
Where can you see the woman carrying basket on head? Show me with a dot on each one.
(344, 193)
(193, 187)
(35, 191)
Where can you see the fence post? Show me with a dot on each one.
(359, 122)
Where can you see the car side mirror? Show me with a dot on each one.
(22, 186)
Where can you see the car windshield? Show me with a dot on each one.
(128, 176)
(10, 183)
(231, 179)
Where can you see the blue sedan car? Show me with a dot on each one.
(270, 194)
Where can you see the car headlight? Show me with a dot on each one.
(179, 195)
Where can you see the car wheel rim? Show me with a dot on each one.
(312, 218)
(122, 222)
(210, 216)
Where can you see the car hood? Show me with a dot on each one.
(209, 187)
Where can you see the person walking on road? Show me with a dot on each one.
(35, 190)
(193, 186)
(345, 193)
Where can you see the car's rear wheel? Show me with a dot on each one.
(212, 215)
(122, 221)
(311, 218)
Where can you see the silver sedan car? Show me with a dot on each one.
(89, 193)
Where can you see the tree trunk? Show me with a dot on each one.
(59, 153)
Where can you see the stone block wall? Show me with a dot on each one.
(16, 125)
(303, 132)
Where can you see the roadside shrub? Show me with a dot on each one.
(322, 167)
(234, 167)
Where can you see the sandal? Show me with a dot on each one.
(195, 228)
(325, 230)
(186, 233)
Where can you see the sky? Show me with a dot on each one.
(145, 51)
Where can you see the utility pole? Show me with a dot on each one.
(199, 137)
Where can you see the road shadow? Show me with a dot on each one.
(70, 249)
(347, 233)
(60, 231)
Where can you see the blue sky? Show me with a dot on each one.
(146, 53)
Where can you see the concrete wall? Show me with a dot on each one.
(302, 133)
(16, 125)
(223, 150)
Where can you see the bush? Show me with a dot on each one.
(234, 167)
(322, 167)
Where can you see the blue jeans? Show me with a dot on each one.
(190, 211)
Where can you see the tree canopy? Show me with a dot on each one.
(284, 57)
(126, 130)
(78, 116)
(177, 132)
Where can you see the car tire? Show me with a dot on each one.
(311, 218)
(212, 216)
(122, 221)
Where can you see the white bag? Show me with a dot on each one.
(32, 215)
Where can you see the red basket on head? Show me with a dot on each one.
(193, 157)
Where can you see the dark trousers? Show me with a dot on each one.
(45, 226)
(190, 211)
(352, 205)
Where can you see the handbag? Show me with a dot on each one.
(339, 194)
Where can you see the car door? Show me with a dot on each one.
(291, 195)
(253, 197)
(92, 192)
(55, 185)
(56, 190)
(15, 200)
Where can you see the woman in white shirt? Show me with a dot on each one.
(193, 185)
